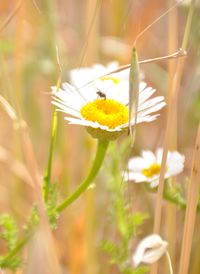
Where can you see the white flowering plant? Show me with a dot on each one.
(130, 190)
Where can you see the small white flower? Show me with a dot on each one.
(103, 103)
(147, 167)
(149, 250)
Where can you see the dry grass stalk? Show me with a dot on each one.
(170, 210)
(11, 16)
(32, 167)
(42, 255)
(8, 109)
(15, 166)
(192, 200)
(89, 51)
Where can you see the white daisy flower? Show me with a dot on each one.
(147, 167)
(100, 103)
(149, 250)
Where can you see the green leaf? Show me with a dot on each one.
(134, 79)
(9, 231)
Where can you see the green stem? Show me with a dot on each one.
(100, 154)
(188, 26)
(47, 176)
(174, 196)
(16, 250)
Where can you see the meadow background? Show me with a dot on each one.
(87, 32)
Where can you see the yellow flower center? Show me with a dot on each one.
(152, 170)
(114, 79)
(107, 112)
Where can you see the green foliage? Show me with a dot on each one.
(124, 222)
(33, 220)
(12, 263)
(138, 270)
(194, 112)
(9, 231)
(9, 234)
(6, 46)
(51, 205)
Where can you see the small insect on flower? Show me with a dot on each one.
(101, 94)
(149, 250)
(146, 168)
(82, 101)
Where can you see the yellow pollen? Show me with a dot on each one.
(114, 79)
(154, 169)
(105, 112)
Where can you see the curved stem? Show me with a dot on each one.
(100, 154)
(172, 195)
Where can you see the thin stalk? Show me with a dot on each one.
(177, 54)
(169, 263)
(91, 29)
(100, 155)
(47, 176)
(54, 126)
(170, 210)
(11, 16)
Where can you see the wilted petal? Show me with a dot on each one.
(149, 250)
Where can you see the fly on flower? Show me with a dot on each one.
(146, 168)
(101, 94)
(107, 118)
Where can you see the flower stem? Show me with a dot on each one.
(100, 154)
(47, 176)
(174, 196)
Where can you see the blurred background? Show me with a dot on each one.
(85, 32)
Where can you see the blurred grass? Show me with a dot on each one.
(28, 70)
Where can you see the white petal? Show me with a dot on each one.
(148, 156)
(152, 109)
(71, 100)
(88, 123)
(142, 119)
(175, 162)
(159, 153)
(149, 103)
(138, 163)
(149, 250)
(142, 86)
(66, 110)
(147, 118)
(75, 106)
(134, 176)
(143, 96)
